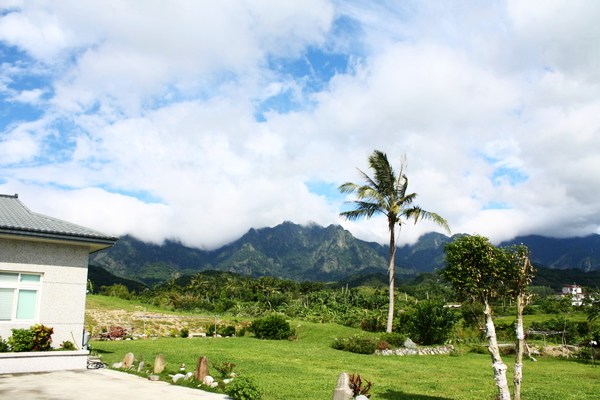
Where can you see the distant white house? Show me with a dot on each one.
(43, 271)
(575, 292)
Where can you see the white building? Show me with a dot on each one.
(576, 293)
(43, 271)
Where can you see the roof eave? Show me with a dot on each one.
(94, 243)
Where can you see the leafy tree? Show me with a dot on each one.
(431, 323)
(474, 270)
(386, 193)
(516, 260)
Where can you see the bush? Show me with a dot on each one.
(21, 340)
(373, 323)
(274, 327)
(225, 369)
(243, 388)
(67, 345)
(3, 345)
(432, 323)
(42, 337)
(393, 338)
(117, 332)
(356, 344)
(184, 332)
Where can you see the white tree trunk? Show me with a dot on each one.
(520, 347)
(497, 363)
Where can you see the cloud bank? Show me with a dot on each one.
(196, 121)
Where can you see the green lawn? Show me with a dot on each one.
(308, 367)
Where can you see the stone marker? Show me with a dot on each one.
(128, 360)
(342, 389)
(140, 366)
(159, 364)
(202, 369)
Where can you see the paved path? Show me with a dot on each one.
(97, 384)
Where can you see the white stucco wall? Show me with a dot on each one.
(62, 295)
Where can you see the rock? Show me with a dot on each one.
(189, 375)
(409, 344)
(342, 389)
(159, 364)
(226, 381)
(153, 377)
(177, 377)
(117, 365)
(128, 360)
(208, 380)
(201, 369)
(361, 397)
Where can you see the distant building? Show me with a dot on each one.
(575, 292)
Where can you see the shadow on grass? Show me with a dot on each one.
(100, 351)
(396, 395)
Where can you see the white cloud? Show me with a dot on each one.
(150, 124)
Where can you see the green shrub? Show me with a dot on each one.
(184, 332)
(393, 338)
(223, 330)
(356, 344)
(274, 327)
(373, 323)
(224, 368)
(3, 345)
(431, 323)
(243, 388)
(21, 340)
(67, 345)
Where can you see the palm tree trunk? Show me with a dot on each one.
(497, 363)
(390, 319)
(520, 347)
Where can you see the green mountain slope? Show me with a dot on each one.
(316, 253)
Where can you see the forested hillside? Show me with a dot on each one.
(316, 253)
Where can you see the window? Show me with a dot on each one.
(19, 295)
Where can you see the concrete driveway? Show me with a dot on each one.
(94, 384)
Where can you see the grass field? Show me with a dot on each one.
(307, 368)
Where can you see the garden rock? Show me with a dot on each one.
(140, 366)
(342, 389)
(128, 360)
(409, 344)
(201, 369)
(361, 397)
(159, 364)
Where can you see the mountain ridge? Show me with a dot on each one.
(317, 253)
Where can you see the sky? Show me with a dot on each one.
(196, 121)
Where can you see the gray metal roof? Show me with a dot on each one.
(16, 219)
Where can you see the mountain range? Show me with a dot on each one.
(316, 253)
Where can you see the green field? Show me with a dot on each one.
(307, 368)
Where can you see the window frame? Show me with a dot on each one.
(22, 285)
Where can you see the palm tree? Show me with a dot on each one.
(385, 193)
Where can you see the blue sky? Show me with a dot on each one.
(197, 121)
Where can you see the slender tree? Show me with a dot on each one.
(522, 273)
(386, 193)
(482, 272)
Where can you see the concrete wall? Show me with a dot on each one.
(64, 278)
(42, 361)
